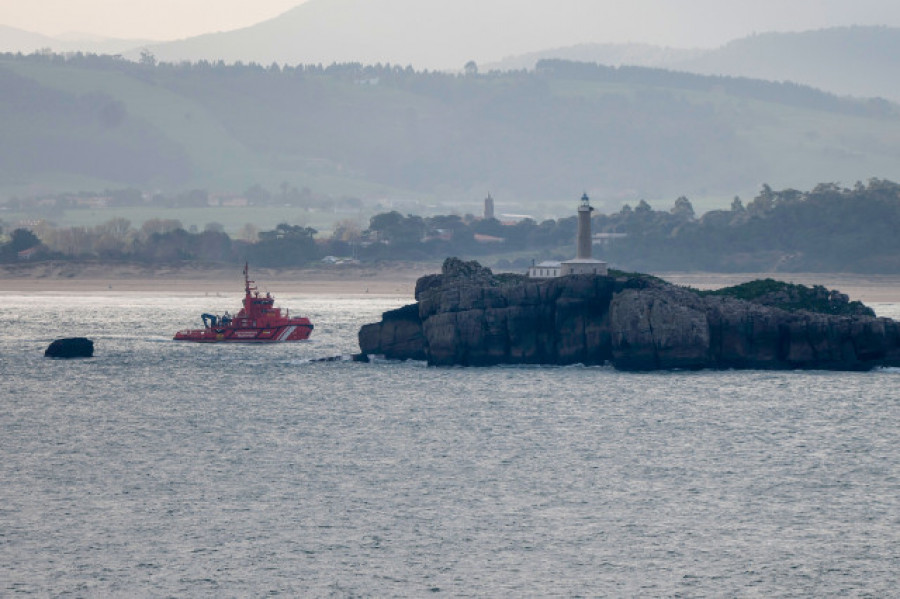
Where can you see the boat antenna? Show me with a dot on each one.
(247, 281)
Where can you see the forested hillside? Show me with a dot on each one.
(88, 122)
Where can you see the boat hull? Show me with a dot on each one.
(274, 334)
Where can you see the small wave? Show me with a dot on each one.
(380, 359)
(889, 369)
(296, 362)
(337, 358)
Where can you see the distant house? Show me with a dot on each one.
(29, 224)
(27, 254)
(479, 238)
(232, 201)
(339, 261)
(93, 202)
(605, 239)
(439, 235)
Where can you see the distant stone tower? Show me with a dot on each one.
(488, 207)
(584, 229)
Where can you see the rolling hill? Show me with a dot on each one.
(619, 133)
(15, 40)
(853, 61)
(437, 34)
(850, 61)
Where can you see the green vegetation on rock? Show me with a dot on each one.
(794, 297)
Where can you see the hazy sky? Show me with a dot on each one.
(683, 23)
(152, 19)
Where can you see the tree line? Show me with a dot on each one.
(439, 83)
(827, 229)
(163, 241)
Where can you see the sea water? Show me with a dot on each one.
(160, 468)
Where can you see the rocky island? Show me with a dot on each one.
(469, 316)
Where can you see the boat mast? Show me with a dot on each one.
(248, 287)
(248, 284)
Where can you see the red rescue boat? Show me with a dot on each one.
(259, 321)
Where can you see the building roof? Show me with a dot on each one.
(583, 261)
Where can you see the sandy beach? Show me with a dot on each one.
(394, 279)
(72, 278)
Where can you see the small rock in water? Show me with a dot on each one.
(341, 358)
(72, 347)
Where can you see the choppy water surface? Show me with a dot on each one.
(159, 468)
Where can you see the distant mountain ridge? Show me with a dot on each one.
(18, 40)
(853, 61)
(440, 35)
(862, 61)
(638, 55)
(858, 61)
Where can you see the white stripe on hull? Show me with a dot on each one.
(287, 332)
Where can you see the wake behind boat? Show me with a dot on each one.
(258, 321)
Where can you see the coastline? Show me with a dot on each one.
(395, 279)
(91, 278)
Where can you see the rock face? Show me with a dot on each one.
(467, 316)
(72, 347)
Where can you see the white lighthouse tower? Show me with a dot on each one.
(583, 263)
(583, 239)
